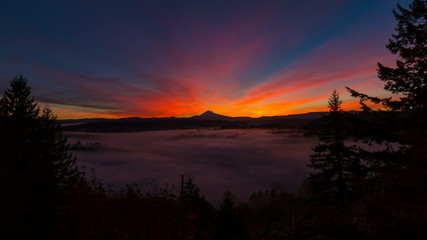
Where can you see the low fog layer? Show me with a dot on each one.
(240, 161)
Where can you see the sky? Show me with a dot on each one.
(112, 59)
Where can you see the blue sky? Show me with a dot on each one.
(180, 58)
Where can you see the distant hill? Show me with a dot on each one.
(310, 115)
(209, 115)
(207, 119)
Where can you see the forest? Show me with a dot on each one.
(354, 193)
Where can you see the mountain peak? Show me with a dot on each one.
(209, 115)
(208, 112)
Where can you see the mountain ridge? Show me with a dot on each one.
(207, 115)
(208, 119)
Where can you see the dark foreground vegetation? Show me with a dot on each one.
(353, 193)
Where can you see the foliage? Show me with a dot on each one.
(33, 139)
(339, 169)
(409, 78)
(231, 219)
(36, 167)
(198, 210)
(391, 207)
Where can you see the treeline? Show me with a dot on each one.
(151, 124)
(92, 211)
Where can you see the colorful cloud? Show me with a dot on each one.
(170, 58)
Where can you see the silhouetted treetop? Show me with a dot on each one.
(339, 170)
(33, 134)
(334, 102)
(16, 101)
(399, 171)
(409, 77)
(35, 165)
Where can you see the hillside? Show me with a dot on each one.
(207, 119)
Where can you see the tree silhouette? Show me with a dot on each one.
(402, 118)
(198, 210)
(410, 44)
(227, 221)
(35, 167)
(189, 190)
(232, 219)
(401, 179)
(340, 169)
(408, 78)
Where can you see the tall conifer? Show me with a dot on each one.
(338, 166)
(35, 167)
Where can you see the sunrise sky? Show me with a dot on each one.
(113, 59)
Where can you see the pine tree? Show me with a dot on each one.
(227, 219)
(35, 167)
(409, 77)
(408, 80)
(339, 168)
(400, 180)
(402, 118)
(198, 210)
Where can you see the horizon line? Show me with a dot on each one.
(126, 117)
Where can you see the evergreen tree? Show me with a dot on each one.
(189, 190)
(409, 77)
(339, 168)
(227, 221)
(402, 118)
(35, 167)
(408, 80)
(198, 210)
(400, 180)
